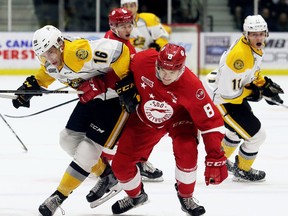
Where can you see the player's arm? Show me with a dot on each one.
(209, 121)
(268, 88)
(121, 61)
(43, 78)
(32, 83)
(157, 31)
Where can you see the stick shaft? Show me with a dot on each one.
(41, 92)
(45, 110)
(271, 100)
(25, 148)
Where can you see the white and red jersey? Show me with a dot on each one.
(160, 103)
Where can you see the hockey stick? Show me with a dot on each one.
(45, 110)
(8, 96)
(24, 147)
(41, 92)
(273, 101)
(16, 96)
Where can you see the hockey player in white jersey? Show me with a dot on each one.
(148, 32)
(97, 119)
(237, 81)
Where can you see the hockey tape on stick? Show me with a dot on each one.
(8, 96)
(45, 110)
(273, 101)
(24, 147)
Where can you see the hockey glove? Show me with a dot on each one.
(256, 93)
(128, 95)
(91, 88)
(24, 99)
(215, 171)
(272, 90)
(155, 46)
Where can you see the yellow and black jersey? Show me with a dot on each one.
(147, 30)
(84, 59)
(238, 67)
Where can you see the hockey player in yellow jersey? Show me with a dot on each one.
(237, 81)
(148, 32)
(98, 118)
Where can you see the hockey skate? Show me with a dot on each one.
(189, 206)
(50, 205)
(149, 173)
(128, 203)
(230, 166)
(252, 175)
(108, 184)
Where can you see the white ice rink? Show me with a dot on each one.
(27, 179)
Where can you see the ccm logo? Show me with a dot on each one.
(220, 163)
(125, 88)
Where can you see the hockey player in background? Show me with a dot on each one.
(237, 81)
(98, 117)
(173, 101)
(148, 32)
(121, 24)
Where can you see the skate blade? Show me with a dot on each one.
(113, 191)
(238, 179)
(145, 179)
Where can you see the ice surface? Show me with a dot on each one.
(27, 179)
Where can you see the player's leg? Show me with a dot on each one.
(240, 118)
(126, 157)
(184, 139)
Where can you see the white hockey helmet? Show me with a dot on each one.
(254, 23)
(46, 37)
(128, 1)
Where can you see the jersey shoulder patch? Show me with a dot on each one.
(76, 53)
(150, 19)
(240, 58)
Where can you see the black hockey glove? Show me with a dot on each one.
(272, 90)
(155, 46)
(128, 95)
(24, 99)
(256, 93)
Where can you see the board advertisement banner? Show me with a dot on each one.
(17, 56)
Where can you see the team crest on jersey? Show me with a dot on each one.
(238, 64)
(200, 94)
(82, 54)
(158, 112)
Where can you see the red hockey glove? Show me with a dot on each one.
(91, 89)
(215, 171)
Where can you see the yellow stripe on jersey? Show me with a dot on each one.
(240, 58)
(121, 65)
(238, 100)
(76, 53)
(43, 78)
(149, 18)
(161, 42)
(230, 121)
(260, 80)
